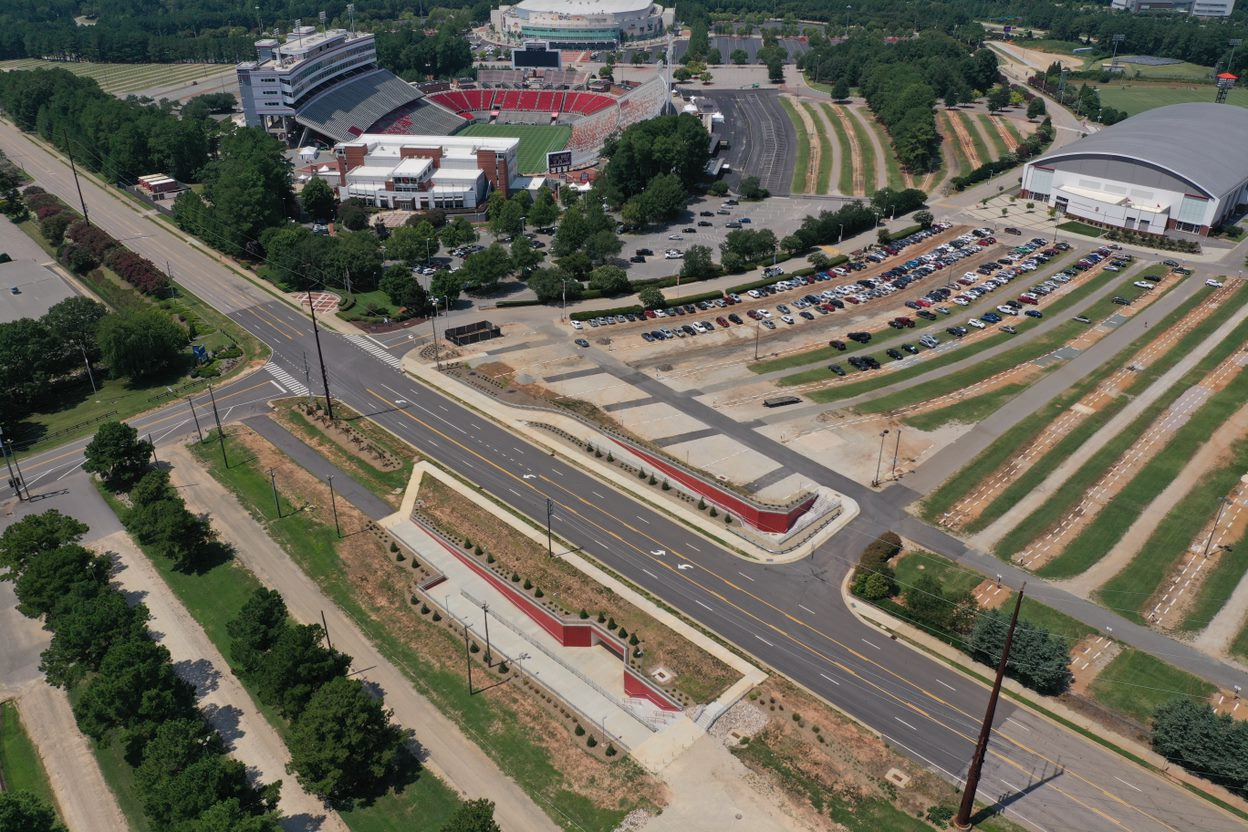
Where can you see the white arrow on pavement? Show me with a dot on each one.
(658, 553)
(530, 476)
(684, 566)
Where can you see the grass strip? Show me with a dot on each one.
(845, 177)
(1082, 228)
(802, 167)
(1131, 589)
(118, 775)
(1136, 684)
(950, 137)
(214, 597)
(1012, 130)
(310, 543)
(20, 765)
(989, 127)
(977, 140)
(824, 175)
(1063, 501)
(865, 148)
(892, 168)
(1031, 479)
(967, 411)
(1218, 586)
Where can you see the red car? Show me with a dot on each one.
(722, 321)
(649, 313)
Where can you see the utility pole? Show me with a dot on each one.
(153, 444)
(879, 459)
(468, 657)
(433, 322)
(963, 819)
(195, 416)
(325, 627)
(758, 327)
(550, 510)
(220, 430)
(69, 149)
(21, 481)
(333, 501)
(277, 504)
(1222, 503)
(316, 333)
(14, 481)
(485, 614)
(896, 449)
(307, 376)
(90, 375)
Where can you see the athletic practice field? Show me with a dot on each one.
(536, 140)
(120, 79)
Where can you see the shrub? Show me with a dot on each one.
(580, 731)
(528, 584)
(415, 600)
(611, 752)
(477, 550)
(610, 457)
(701, 504)
(666, 486)
(424, 609)
(537, 593)
(727, 519)
(601, 618)
(632, 640)
(713, 512)
(473, 647)
(623, 633)
(437, 616)
(502, 667)
(394, 547)
(467, 544)
(611, 625)
(489, 558)
(591, 742)
(584, 614)
(653, 481)
(400, 557)
(515, 577)
(641, 474)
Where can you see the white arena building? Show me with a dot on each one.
(582, 24)
(421, 172)
(1182, 167)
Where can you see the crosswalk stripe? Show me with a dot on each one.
(286, 380)
(376, 350)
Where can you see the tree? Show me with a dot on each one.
(343, 746)
(751, 188)
(652, 298)
(705, 77)
(36, 534)
(840, 90)
(318, 199)
(664, 197)
(23, 812)
(681, 74)
(1036, 108)
(740, 57)
(445, 287)
(355, 260)
(458, 232)
(352, 214)
(74, 322)
(84, 632)
(473, 816)
(576, 265)
(412, 245)
(1215, 746)
(775, 69)
(172, 531)
(601, 246)
(404, 290)
(792, 243)
(714, 56)
(508, 220)
(53, 579)
(524, 256)
(544, 211)
(141, 344)
(1038, 659)
(229, 816)
(296, 666)
(953, 97)
(927, 604)
(247, 188)
(697, 264)
(924, 218)
(256, 628)
(998, 98)
(819, 260)
(482, 271)
(117, 454)
(610, 280)
(136, 688)
(718, 188)
(554, 285)
(152, 487)
(664, 145)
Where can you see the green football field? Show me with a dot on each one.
(1136, 98)
(536, 140)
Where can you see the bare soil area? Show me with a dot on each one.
(1088, 658)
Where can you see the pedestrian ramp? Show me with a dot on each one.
(286, 380)
(376, 350)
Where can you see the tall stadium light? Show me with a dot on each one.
(1117, 39)
(321, 15)
(1234, 44)
(351, 17)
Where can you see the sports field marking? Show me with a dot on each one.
(536, 140)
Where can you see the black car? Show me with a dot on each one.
(837, 345)
(910, 348)
(735, 318)
(807, 314)
(706, 213)
(705, 223)
(688, 231)
(644, 252)
(923, 313)
(636, 258)
(860, 337)
(1012, 230)
(1034, 313)
(955, 331)
(647, 337)
(1121, 301)
(838, 369)
(690, 308)
(894, 354)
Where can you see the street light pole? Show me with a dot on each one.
(87, 361)
(896, 450)
(550, 510)
(879, 459)
(433, 322)
(333, 502)
(220, 430)
(9, 459)
(758, 328)
(485, 614)
(1222, 503)
(195, 416)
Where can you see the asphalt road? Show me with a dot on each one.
(757, 130)
(789, 617)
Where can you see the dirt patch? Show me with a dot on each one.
(860, 181)
(990, 594)
(815, 756)
(1088, 658)
(964, 139)
(1228, 702)
(383, 587)
(971, 506)
(812, 139)
(1011, 143)
(699, 675)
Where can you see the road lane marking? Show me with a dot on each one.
(907, 724)
(596, 494)
(763, 640)
(808, 609)
(869, 644)
(700, 604)
(694, 548)
(648, 572)
(514, 491)
(1125, 783)
(830, 679)
(747, 577)
(1019, 724)
(946, 684)
(642, 519)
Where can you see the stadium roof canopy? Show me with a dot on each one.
(1200, 143)
(577, 7)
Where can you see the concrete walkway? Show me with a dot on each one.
(588, 678)
(450, 754)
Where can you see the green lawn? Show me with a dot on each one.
(864, 146)
(977, 140)
(120, 79)
(536, 140)
(1135, 98)
(967, 411)
(1218, 586)
(988, 124)
(1130, 590)
(1135, 684)
(20, 764)
(311, 543)
(1181, 72)
(1076, 227)
(969, 478)
(950, 139)
(1239, 646)
(1010, 128)
(915, 564)
(845, 177)
(824, 175)
(119, 776)
(801, 167)
(362, 304)
(892, 168)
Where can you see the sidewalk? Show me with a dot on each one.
(452, 756)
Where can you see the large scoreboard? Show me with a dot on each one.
(536, 55)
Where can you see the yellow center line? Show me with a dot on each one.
(681, 575)
(282, 327)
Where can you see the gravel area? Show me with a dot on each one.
(743, 719)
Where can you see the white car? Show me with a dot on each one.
(675, 237)
(787, 319)
(766, 313)
(754, 293)
(961, 301)
(1214, 284)
(977, 323)
(577, 325)
(673, 254)
(1144, 284)
(1007, 310)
